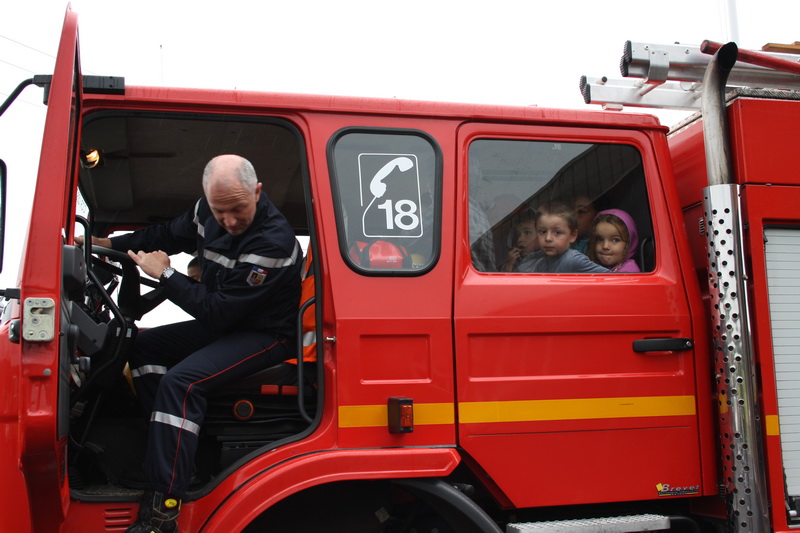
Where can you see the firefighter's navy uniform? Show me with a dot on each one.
(245, 311)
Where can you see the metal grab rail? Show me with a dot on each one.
(300, 362)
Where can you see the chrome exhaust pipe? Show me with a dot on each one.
(715, 116)
(744, 480)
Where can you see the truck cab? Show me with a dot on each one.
(442, 392)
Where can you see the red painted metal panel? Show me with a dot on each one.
(764, 206)
(14, 504)
(392, 107)
(393, 334)
(232, 506)
(763, 147)
(590, 466)
(764, 140)
(43, 450)
(539, 358)
(241, 506)
(687, 151)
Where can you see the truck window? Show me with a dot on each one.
(387, 187)
(149, 168)
(513, 184)
(150, 164)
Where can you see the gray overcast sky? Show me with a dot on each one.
(504, 52)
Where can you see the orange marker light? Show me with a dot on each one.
(401, 415)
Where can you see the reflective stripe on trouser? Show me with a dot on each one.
(175, 401)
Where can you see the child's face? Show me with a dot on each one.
(586, 212)
(610, 246)
(554, 235)
(526, 237)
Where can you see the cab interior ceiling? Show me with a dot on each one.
(151, 166)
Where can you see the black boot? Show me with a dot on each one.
(158, 513)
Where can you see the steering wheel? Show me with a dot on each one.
(131, 303)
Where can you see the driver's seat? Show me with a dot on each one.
(274, 403)
(257, 410)
(281, 374)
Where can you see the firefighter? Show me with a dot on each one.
(244, 313)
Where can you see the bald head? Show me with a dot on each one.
(229, 167)
(232, 192)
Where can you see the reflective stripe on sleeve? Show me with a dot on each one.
(201, 230)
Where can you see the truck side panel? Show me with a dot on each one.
(764, 140)
(393, 327)
(546, 366)
(764, 154)
(773, 228)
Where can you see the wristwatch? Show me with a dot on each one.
(166, 273)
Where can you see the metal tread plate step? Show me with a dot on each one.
(614, 524)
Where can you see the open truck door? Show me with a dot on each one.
(42, 355)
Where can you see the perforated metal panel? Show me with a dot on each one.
(613, 524)
(743, 474)
(783, 278)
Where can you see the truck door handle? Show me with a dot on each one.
(662, 345)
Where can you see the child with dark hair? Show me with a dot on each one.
(525, 241)
(193, 269)
(614, 240)
(556, 230)
(585, 212)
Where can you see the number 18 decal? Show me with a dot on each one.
(389, 186)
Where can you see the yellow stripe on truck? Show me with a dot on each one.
(425, 414)
(353, 416)
(773, 424)
(575, 409)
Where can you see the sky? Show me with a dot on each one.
(500, 52)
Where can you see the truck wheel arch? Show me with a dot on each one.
(452, 504)
(257, 494)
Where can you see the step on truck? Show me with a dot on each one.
(435, 388)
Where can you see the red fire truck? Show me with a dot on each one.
(438, 391)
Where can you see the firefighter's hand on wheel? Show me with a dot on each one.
(153, 263)
(96, 241)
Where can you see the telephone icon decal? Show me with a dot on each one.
(390, 186)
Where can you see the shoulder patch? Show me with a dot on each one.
(257, 276)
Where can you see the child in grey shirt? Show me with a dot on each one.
(556, 229)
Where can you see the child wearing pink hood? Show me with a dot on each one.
(613, 240)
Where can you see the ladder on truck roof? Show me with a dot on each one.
(671, 76)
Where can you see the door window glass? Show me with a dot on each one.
(555, 207)
(387, 188)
